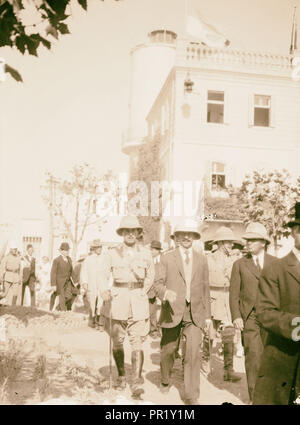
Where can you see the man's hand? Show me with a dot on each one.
(106, 295)
(170, 296)
(238, 323)
(207, 325)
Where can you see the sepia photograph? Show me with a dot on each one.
(149, 205)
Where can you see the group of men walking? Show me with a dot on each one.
(200, 295)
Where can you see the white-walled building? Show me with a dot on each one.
(222, 113)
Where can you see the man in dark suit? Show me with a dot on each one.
(243, 297)
(278, 311)
(29, 277)
(156, 251)
(61, 277)
(182, 285)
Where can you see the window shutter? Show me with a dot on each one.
(251, 110)
(273, 112)
(226, 108)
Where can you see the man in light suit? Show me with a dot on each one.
(278, 311)
(182, 285)
(126, 302)
(243, 294)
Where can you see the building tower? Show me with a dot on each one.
(151, 63)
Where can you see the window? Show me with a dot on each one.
(218, 176)
(262, 109)
(215, 107)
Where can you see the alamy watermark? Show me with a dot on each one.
(296, 331)
(155, 199)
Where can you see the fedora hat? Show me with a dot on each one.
(224, 234)
(64, 246)
(156, 245)
(297, 216)
(184, 228)
(96, 243)
(129, 222)
(256, 230)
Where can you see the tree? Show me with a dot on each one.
(269, 198)
(80, 201)
(50, 20)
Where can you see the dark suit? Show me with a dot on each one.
(29, 279)
(180, 317)
(243, 294)
(278, 304)
(61, 272)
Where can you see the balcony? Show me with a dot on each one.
(197, 55)
(129, 144)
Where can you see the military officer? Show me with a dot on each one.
(11, 276)
(220, 263)
(126, 306)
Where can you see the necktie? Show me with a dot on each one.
(257, 264)
(187, 258)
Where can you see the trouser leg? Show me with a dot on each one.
(253, 349)
(32, 297)
(192, 358)
(168, 345)
(52, 300)
(153, 314)
(62, 301)
(24, 284)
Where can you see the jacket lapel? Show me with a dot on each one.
(179, 263)
(293, 266)
(252, 267)
(195, 259)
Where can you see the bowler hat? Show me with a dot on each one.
(129, 222)
(256, 230)
(224, 234)
(297, 216)
(64, 246)
(96, 243)
(156, 245)
(185, 228)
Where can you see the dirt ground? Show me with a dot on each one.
(55, 358)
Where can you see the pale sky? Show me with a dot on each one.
(73, 104)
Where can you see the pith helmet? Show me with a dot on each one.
(297, 216)
(129, 222)
(64, 246)
(256, 231)
(224, 234)
(185, 228)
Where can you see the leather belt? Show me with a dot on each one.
(13, 271)
(219, 288)
(129, 285)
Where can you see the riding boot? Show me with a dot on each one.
(137, 361)
(229, 374)
(119, 359)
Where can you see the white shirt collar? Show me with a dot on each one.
(260, 257)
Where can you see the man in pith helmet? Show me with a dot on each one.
(220, 263)
(182, 286)
(132, 269)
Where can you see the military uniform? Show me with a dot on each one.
(219, 266)
(11, 276)
(133, 275)
(127, 311)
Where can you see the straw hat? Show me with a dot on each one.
(96, 243)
